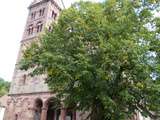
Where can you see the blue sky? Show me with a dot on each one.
(12, 21)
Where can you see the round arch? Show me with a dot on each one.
(53, 108)
(38, 104)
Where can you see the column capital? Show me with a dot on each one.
(63, 108)
(44, 108)
(44, 113)
(31, 108)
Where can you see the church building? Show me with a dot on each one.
(29, 97)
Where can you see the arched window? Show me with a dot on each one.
(30, 29)
(50, 28)
(39, 26)
(33, 15)
(54, 15)
(41, 12)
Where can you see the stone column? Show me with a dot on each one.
(74, 115)
(138, 115)
(63, 114)
(44, 113)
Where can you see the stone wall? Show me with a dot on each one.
(22, 106)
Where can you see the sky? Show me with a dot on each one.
(13, 15)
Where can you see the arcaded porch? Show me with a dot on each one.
(52, 109)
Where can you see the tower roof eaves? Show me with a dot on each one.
(36, 2)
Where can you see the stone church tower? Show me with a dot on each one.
(41, 14)
(29, 97)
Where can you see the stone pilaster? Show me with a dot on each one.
(44, 113)
(63, 113)
(74, 115)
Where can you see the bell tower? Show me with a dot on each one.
(27, 94)
(41, 14)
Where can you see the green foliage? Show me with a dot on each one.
(4, 87)
(103, 58)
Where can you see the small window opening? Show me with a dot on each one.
(30, 30)
(41, 12)
(39, 27)
(33, 15)
(50, 29)
(24, 79)
(54, 15)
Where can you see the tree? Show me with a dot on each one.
(4, 87)
(103, 58)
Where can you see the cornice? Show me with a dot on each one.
(35, 93)
(44, 1)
